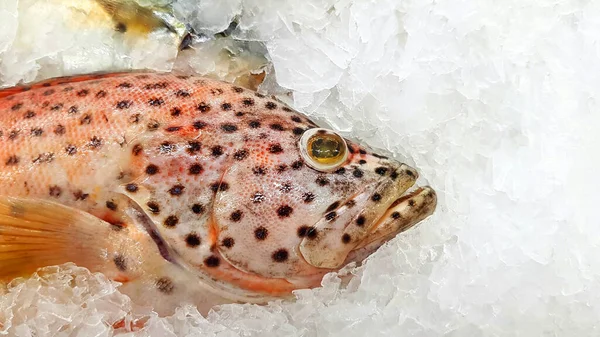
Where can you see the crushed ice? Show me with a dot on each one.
(495, 102)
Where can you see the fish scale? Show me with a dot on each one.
(197, 179)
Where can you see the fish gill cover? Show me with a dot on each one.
(494, 102)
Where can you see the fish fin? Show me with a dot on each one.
(36, 233)
(58, 80)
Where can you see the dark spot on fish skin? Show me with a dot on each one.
(158, 85)
(333, 206)
(171, 221)
(360, 221)
(281, 168)
(182, 93)
(83, 92)
(13, 134)
(176, 190)
(67, 89)
(29, 114)
(411, 203)
(55, 191)
(284, 211)
(45, 104)
(166, 147)
(286, 109)
(350, 203)
(248, 102)
(277, 127)
(298, 131)
(295, 118)
(156, 102)
(125, 104)
(322, 181)
(195, 169)
(12, 161)
(134, 119)
(48, 92)
(297, 164)
(86, 119)
(280, 255)
(361, 151)
(362, 162)
(381, 170)
(153, 125)
(199, 125)
(216, 91)
(193, 147)
(153, 207)
(308, 231)
(226, 106)
(212, 261)
(229, 128)
(119, 261)
(258, 198)
(238, 90)
(330, 216)
(71, 150)
(285, 187)
(137, 149)
(254, 124)
(259, 170)
(341, 170)
(261, 233)
(219, 186)
(47, 84)
(192, 240)
(357, 173)
(132, 188)
(236, 216)
(79, 195)
(263, 136)
(228, 242)
(308, 197)
(203, 107)
(376, 197)
(241, 154)
(239, 114)
(346, 238)
(165, 285)
(73, 110)
(394, 175)
(125, 85)
(275, 148)
(111, 205)
(101, 94)
(95, 142)
(197, 208)
(151, 169)
(44, 158)
(351, 149)
(175, 111)
(16, 107)
(395, 215)
(36, 132)
(56, 107)
(216, 151)
(271, 106)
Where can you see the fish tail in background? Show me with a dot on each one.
(36, 233)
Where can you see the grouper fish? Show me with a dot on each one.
(187, 189)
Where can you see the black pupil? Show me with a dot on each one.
(326, 148)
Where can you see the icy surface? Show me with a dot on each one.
(495, 102)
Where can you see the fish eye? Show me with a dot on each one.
(323, 150)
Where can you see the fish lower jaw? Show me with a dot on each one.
(403, 214)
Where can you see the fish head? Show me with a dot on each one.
(312, 203)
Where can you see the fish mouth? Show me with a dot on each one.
(375, 215)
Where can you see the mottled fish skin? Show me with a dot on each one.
(217, 170)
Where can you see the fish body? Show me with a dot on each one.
(188, 189)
